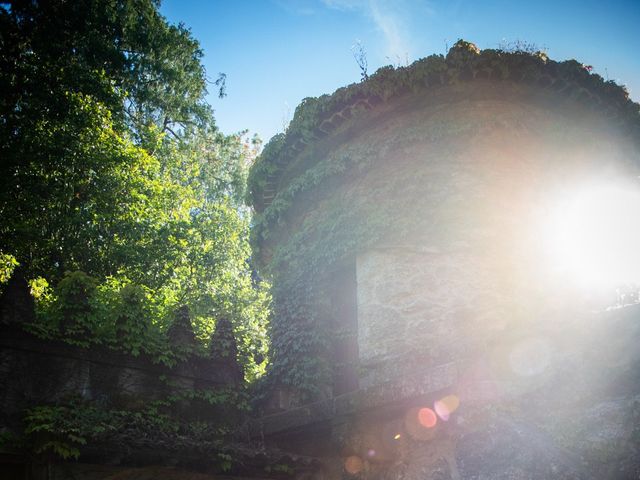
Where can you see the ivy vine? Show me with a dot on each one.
(299, 246)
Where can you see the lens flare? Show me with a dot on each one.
(446, 406)
(427, 417)
(420, 422)
(353, 465)
(591, 237)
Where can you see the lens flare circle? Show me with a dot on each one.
(420, 423)
(446, 406)
(353, 465)
(427, 417)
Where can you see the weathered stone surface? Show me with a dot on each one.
(455, 296)
(457, 181)
(529, 408)
(34, 371)
(423, 305)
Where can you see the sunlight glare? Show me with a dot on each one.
(593, 236)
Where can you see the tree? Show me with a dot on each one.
(112, 164)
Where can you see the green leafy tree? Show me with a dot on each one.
(112, 166)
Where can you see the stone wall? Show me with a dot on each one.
(427, 306)
(477, 360)
(42, 372)
(557, 401)
(460, 189)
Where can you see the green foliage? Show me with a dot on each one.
(132, 318)
(133, 315)
(8, 264)
(219, 396)
(94, 208)
(111, 51)
(73, 310)
(64, 428)
(61, 436)
(464, 61)
(113, 169)
(40, 290)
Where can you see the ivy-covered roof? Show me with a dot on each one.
(316, 118)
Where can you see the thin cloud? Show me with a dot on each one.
(393, 29)
(391, 19)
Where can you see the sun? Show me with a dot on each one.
(592, 235)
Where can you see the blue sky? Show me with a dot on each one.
(277, 52)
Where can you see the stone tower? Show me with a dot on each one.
(401, 220)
